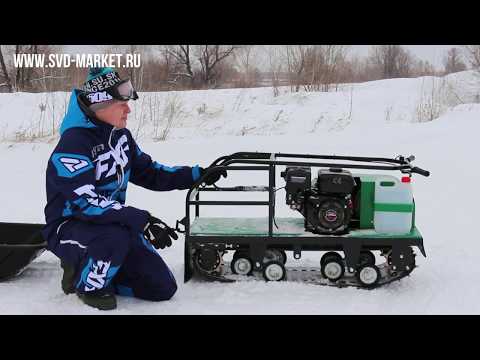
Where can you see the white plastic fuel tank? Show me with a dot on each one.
(393, 207)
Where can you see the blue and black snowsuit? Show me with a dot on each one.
(88, 225)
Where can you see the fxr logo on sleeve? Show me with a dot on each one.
(96, 200)
(70, 165)
(96, 275)
(73, 164)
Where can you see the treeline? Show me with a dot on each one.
(187, 67)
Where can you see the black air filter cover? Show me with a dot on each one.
(338, 181)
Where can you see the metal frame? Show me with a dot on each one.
(258, 244)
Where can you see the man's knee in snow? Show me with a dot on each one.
(158, 291)
(163, 293)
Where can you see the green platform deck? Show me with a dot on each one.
(217, 226)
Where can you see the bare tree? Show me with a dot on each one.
(209, 56)
(392, 60)
(295, 57)
(404, 63)
(334, 56)
(314, 67)
(157, 72)
(322, 65)
(6, 76)
(23, 78)
(453, 61)
(274, 64)
(245, 58)
(350, 69)
(183, 58)
(168, 65)
(472, 54)
(135, 74)
(23, 74)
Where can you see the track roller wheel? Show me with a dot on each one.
(274, 271)
(332, 267)
(368, 275)
(241, 265)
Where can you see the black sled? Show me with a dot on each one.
(20, 244)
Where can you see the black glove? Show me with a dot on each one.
(158, 233)
(213, 177)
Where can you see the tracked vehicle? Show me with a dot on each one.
(363, 224)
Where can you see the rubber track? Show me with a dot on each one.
(311, 275)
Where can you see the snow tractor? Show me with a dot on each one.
(362, 224)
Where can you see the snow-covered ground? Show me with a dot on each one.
(370, 119)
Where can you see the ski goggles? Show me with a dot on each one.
(123, 91)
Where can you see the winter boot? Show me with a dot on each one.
(99, 299)
(68, 279)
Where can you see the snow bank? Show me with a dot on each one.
(240, 112)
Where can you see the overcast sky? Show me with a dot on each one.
(433, 53)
